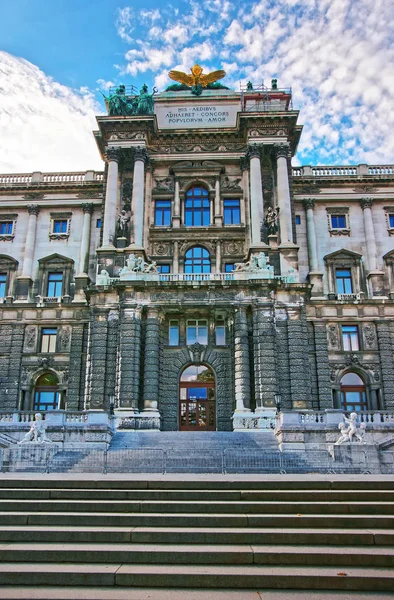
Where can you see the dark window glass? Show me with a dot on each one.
(46, 396)
(229, 267)
(350, 338)
(163, 268)
(48, 339)
(3, 284)
(232, 212)
(391, 220)
(344, 281)
(338, 221)
(197, 208)
(220, 333)
(98, 223)
(197, 260)
(163, 213)
(60, 226)
(353, 395)
(173, 333)
(55, 284)
(6, 227)
(298, 219)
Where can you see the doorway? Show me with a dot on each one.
(197, 401)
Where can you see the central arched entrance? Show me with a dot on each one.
(197, 405)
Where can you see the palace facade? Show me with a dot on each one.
(200, 280)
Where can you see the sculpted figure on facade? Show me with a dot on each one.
(258, 264)
(103, 278)
(37, 432)
(351, 431)
(123, 224)
(271, 220)
(136, 264)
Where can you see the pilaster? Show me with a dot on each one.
(385, 335)
(265, 384)
(299, 359)
(322, 367)
(130, 353)
(151, 364)
(76, 368)
(241, 361)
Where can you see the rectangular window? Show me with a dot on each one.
(6, 227)
(60, 226)
(350, 338)
(48, 340)
(3, 284)
(98, 223)
(344, 281)
(229, 267)
(55, 285)
(220, 333)
(338, 221)
(298, 219)
(232, 212)
(173, 333)
(197, 331)
(164, 268)
(163, 213)
(391, 221)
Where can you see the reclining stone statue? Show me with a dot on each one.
(37, 432)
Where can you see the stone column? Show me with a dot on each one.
(299, 360)
(366, 205)
(85, 239)
(241, 361)
(322, 366)
(265, 384)
(140, 158)
(98, 358)
(218, 256)
(27, 269)
(286, 231)
(315, 276)
(175, 258)
(375, 276)
(256, 194)
(151, 363)
(130, 357)
(385, 333)
(76, 368)
(111, 198)
(218, 213)
(176, 217)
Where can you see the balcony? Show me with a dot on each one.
(39, 179)
(344, 171)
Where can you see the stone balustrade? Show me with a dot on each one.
(67, 428)
(38, 178)
(343, 171)
(200, 277)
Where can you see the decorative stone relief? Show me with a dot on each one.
(65, 338)
(30, 338)
(230, 185)
(113, 315)
(45, 361)
(369, 336)
(162, 249)
(164, 185)
(233, 248)
(332, 335)
(197, 352)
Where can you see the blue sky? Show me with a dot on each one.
(337, 55)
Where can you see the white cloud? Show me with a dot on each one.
(124, 23)
(45, 126)
(105, 85)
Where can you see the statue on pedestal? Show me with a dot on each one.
(271, 220)
(37, 432)
(123, 224)
(103, 278)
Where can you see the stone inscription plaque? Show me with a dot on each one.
(192, 115)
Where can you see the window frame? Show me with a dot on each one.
(220, 324)
(3, 285)
(8, 219)
(49, 340)
(162, 211)
(173, 325)
(59, 217)
(343, 279)
(231, 210)
(205, 261)
(165, 272)
(55, 281)
(193, 210)
(201, 332)
(389, 215)
(336, 212)
(350, 339)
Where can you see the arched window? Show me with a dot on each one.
(197, 209)
(353, 393)
(197, 260)
(46, 394)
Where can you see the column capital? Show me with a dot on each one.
(141, 154)
(309, 203)
(366, 203)
(87, 207)
(282, 150)
(253, 151)
(33, 209)
(113, 154)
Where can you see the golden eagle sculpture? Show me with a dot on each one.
(197, 81)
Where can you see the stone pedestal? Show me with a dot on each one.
(376, 283)
(273, 242)
(121, 242)
(22, 288)
(316, 280)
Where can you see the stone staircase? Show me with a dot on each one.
(101, 537)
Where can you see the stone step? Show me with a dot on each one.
(198, 535)
(185, 482)
(197, 554)
(209, 519)
(127, 593)
(198, 576)
(194, 506)
(277, 495)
